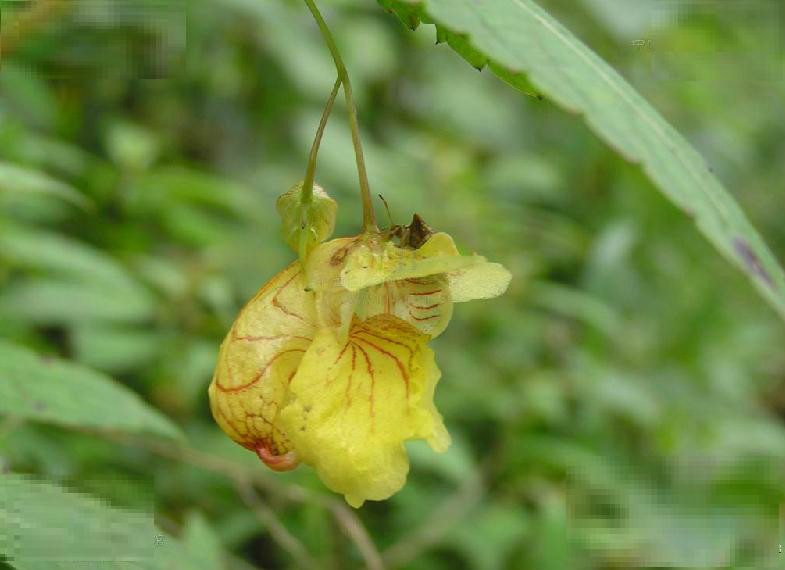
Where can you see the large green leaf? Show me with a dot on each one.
(82, 284)
(67, 394)
(516, 37)
(48, 301)
(27, 248)
(45, 527)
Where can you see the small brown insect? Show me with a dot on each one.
(412, 236)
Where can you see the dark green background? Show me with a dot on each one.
(623, 405)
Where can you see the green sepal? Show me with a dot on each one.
(307, 220)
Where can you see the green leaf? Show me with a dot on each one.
(82, 284)
(66, 394)
(116, 348)
(202, 542)
(49, 301)
(576, 304)
(165, 187)
(46, 527)
(495, 531)
(24, 247)
(518, 37)
(410, 14)
(15, 178)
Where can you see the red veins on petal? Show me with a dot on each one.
(257, 360)
(382, 345)
(423, 302)
(260, 374)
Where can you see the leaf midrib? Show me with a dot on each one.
(656, 128)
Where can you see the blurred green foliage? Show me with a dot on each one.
(622, 405)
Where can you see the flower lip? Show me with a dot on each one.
(355, 399)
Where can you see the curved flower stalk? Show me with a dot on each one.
(335, 370)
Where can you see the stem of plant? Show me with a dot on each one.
(369, 218)
(307, 190)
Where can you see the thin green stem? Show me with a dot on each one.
(369, 218)
(307, 191)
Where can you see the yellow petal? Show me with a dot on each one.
(440, 243)
(354, 402)
(423, 302)
(478, 279)
(334, 304)
(257, 359)
(482, 281)
(419, 285)
(372, 264)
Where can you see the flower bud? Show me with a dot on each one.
(306, 223)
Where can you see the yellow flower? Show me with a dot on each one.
(336, 371)
(354, 401)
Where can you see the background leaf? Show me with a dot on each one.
(55, 301)
(51, 390)
(46, 527)
(41, 250)
(201, 541)
(82, 283)
(14, 178)
(623, 403)
(517, 36)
